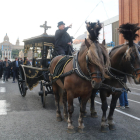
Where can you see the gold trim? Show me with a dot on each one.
(58, 62)
(33, 76)
(63, 69)
(49, 44)
(34, 85)
(34, 67)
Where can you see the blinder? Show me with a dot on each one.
(98, 73)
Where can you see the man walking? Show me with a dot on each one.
(15, 69)
(1, 68)
(5, 69)
(63, 40)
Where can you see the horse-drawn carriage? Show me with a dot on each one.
(83, 74)
(31, 75)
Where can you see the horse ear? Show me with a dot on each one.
(87, 43)
(103, 42)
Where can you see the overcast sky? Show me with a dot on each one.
(22, 18)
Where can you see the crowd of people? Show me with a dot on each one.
(10, 69)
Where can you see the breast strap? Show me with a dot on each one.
(77, 68)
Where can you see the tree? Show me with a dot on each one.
(15, 53)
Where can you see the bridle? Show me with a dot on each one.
(98, 73)
(120, 79)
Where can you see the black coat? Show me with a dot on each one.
(14, 65)
(1, 65)
(4, 65)
(62, 38)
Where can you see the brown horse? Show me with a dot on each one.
(125, 63)
(88, 70)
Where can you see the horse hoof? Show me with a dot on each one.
(104, 129)
(112, 127)
(81, 130)
(94, 115)
(71, 131)
(59, 119)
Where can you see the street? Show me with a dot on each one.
(24, 118)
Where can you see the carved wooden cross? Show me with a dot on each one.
(45, 27)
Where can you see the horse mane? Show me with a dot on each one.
(129, 32)
(93, 29)
(97, 53)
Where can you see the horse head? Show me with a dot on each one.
(131, 57)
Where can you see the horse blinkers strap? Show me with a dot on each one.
(98, 73)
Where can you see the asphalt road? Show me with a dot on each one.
(26, 119)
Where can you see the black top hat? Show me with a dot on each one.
(60, 23)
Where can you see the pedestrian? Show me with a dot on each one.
(27, 62)
(15, 67)
(9, 69)
(1, 68)
(21, 61)
(123, 100)
(30, 62)
(5, 69)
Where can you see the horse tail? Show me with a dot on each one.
(129, 32)
(93, 29)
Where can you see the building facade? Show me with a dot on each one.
(6, 47)
(129, 12)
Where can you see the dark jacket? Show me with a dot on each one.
(1, 65)
(21, 62)
(4, 65)
(62, 38)
(14, 65)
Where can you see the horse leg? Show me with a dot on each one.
(57, 99)
(104, 125)
(70, 111)
(81, 115)
(92, 105)
(111, 111)
(65, 105)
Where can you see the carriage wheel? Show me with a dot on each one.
(22, 87)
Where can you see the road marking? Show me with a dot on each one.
(122, 112)
(2, 89)
(3, 109)
(2, 82)
(134, 101)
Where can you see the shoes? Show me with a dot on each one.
(13, 82)
(127, 106)
(7, 80)
(122, 107)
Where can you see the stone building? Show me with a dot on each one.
(6, 47)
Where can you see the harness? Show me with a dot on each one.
(120, 79)
(78, 71)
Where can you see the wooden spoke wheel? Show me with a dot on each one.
(43, 96)
(22, 86)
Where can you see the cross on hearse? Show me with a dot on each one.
(45, 27)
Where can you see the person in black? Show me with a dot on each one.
(63, 40)
(5, 69)
(15, 66)
(21, 61)
(1, 68)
